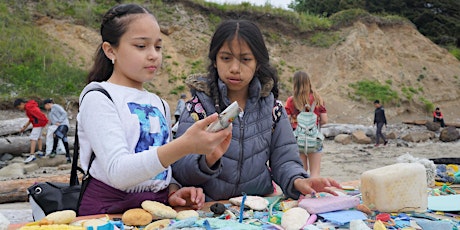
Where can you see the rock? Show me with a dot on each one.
(391, 135)
(456, 125)
(401, 143)
(360, 137)
(51, 162)
(420, 122)
(418, 137)
(333, 129)
(12, 170)
(31, 167)
(344, 139)
(432, 126)
(6, 157)
(449, 134)
(17, 160)
(4, 222)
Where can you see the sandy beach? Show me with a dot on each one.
(348, 162)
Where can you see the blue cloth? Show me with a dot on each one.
(343, 217)
(434, 225)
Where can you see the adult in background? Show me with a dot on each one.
(58, 117)
(304, 96)
(38, 120)
(379, 120)
(438, 117)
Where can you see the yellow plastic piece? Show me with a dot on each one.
(378, 225)
(52, 227)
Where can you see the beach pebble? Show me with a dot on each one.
(217, 208)
(182, 215)
(61, 217)
(253, 202)
(159, 210)
(136, 217)
(294, 218)
(159, 224)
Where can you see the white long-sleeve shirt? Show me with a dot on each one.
(124, 135)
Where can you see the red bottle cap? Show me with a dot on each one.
(383, 217)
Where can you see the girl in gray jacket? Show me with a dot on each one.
(262, 148)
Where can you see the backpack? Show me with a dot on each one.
(308, 134)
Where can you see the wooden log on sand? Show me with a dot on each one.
(15, 145)
(423, 122)
(16, 190)
(12, 126)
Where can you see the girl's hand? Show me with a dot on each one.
(204, 142)
(213, 157)
(187, 196)
(314, 185)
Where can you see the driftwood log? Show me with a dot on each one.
(12, 126)
(17, 145)
(423, 122)
(16, 190)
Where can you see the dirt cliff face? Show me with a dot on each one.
(365, 51)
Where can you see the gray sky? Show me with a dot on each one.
(277, 3)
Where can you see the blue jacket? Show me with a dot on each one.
(256, 155)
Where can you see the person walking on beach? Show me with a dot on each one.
(38, 120)
(379, 120)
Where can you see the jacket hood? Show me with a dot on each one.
(200, 82)
(31, 104)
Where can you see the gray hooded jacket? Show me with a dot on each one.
(256, 155)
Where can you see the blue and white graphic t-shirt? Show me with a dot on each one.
(124, 134)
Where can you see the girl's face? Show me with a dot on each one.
(236, 66)
(138, 55)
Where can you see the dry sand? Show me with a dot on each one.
(347, 162)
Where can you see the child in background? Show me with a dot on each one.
(260, 151)
(38, 120)
(303, 98)
(58, 117)
(438, 117)
(130, 135)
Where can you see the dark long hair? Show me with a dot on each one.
(114, 25)
(249, 32)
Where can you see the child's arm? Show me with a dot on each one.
(25, 127)
(195, 140)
